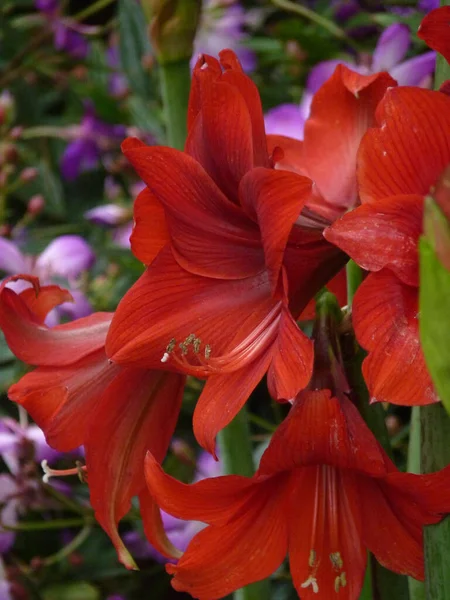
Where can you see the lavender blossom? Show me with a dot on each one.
(178, 531)
(221, 26)
(64, 260)
(392, 47)
(67, 35)
(117, 82)
(90, 139)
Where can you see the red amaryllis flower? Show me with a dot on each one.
(324, 492)
(78, 397)
(435, 30)
(398, 163)
(214, 303)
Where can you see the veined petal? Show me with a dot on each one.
(320, 429)
(274, 199)
(214, 500)
(36, 344)
(136, 413)
(46, 299)
(435, 30)
(62, 400)
(150, 232)
(248, 548)
(292, 360)
(382, 234)
(292, 148)
(341, 112)
(169, 303)
(385, 317)
(210, 235)
(410, 149)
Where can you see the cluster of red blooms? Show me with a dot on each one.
(239, 232)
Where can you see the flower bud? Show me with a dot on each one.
(173, 24)
(7, 108)
(36, 204)
(28, 174)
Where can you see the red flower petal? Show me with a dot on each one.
(341, 112)
(274, 199)
(292, 152)
(137, 412)
(46, 299)
(154, 527)
(248, 548)
(292, 362)
(382, 234)
(168, 302)
(410, 149)
(385, 317)
(35, 343)
(150, 232)
(435, 30)
(214, 72)
(321, 429)
(210, 235)
(62, 400)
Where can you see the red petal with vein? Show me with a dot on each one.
(390, 539)
(214, 500)
(385, 317)
(150, 232)
(36, 344)
(210, 235)
(222, 398)
(382, 234)
(248, 548)
(41, 303)
(214, 72)
(435, 30)
(235, 76)
(306, 525)
(137, 412)
(154, 526)
(221, 138)
(292, 362)
(320, 429)
(410, 149)
(275, 199)
(341, 112)
(62, 400)
(168, 302)
(292, 152)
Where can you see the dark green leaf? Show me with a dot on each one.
(52, 190)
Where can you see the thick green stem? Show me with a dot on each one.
(237, 457)
(354, 280)
(175, 86)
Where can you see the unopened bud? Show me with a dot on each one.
(7, 108)
(9, 154)
(28, 174)
(16, 132)
(36, 204)
(183, 451)
(173, 26)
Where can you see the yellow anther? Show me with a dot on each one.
(311, 581)
(312, 558)
(336, 560)
(207, 351)
(197, 343)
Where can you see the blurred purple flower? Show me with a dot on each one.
(428, 5)
(392, 47)
(221, 26)
(63, 261)
(178, 531)
(117, 83)
(90, 139)
(67, 35)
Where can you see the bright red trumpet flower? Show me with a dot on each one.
(78, 397)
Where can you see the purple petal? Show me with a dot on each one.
(5, 590)
(415, 71)
(8, 442)
(11, 258)
(108, 214)
(80, 155)
(67, 256)
(285, 119)
(207, 466)
(46, 6)
(392, 46)
(80, 307)
(121, 235)
(42, 450)
(70, 41)
(427, 5)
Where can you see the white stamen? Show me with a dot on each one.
(311, 581)
(165, 357)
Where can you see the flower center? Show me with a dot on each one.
(196, 358)
(325, 531)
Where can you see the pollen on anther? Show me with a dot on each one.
(312, 558)
(207, 351)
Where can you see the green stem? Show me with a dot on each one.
(323, 22)
(92, 9)
(43, 525)
(67, 550)
(354, 280)
(175, 86)
(236, 454)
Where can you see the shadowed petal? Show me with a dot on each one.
(435, 30)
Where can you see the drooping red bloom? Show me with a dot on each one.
(325, 492)
(215, 302)
(435, 30)
(78, 397)
(398, 162)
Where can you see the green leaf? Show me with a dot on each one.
(52, 191)
(435, 319)
(71, 591)
(134, 45)
(5, 353)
